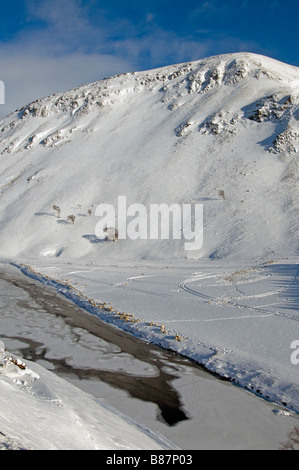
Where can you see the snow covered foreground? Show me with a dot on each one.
(239, 321)
(222, 132)
(40, 411)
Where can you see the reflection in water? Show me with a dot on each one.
(69, 341)
(156, 389)
(195, 409)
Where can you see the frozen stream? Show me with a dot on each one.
(159, 389)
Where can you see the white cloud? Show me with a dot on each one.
(61, 52)
(29, 76)
(65, 48)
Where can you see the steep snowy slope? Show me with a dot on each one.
(222, 132)
(40, 411)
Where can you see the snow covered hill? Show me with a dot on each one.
(222, 132)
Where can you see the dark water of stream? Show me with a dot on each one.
(28, 314)
(159, 389)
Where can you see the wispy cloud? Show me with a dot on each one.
(64, 44)
(61, 47)
(35, 75)
(60, 51)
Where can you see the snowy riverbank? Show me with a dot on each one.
(40, 411)
(239, 321)
(219, 415)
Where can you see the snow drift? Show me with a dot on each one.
(40, 411)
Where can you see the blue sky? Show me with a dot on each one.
(47, 46)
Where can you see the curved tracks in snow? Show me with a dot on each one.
(234, 301)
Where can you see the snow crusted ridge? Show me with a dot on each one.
(171, 82)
